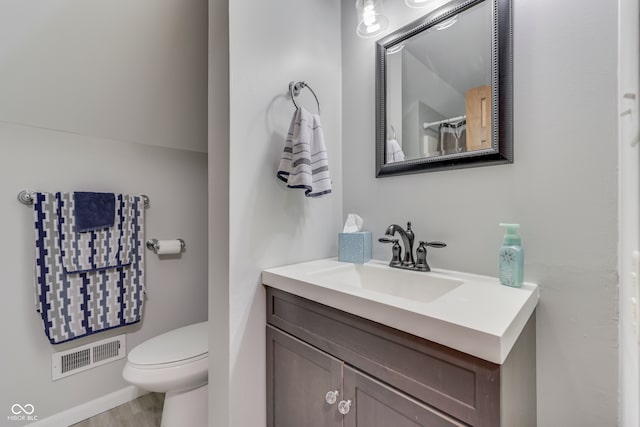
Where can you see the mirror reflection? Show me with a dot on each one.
(438, 88)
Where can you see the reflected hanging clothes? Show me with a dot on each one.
(453, 137)
(394, 151)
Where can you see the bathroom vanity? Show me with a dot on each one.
(343, 349)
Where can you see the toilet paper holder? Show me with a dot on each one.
(154, 245)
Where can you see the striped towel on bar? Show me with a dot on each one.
(110, 293)
(304, 163)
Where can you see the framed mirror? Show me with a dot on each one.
(444, 90)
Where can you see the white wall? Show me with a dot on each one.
(272, 43)
(428, 87)
(562, 188)
(120, 70)
(629, 210)
(89, 127)
(394, 97)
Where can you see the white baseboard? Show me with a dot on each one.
(91, 408)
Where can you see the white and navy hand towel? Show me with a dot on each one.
(304, 163)
(73, 300)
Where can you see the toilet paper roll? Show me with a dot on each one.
(167, 247)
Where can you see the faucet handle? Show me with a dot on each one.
(421, 254)
(434, 244)
(395, 250)
(387, 239)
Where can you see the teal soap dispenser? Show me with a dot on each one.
(511, 257)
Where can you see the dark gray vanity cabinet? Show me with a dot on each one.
(299, 377)
(378, 405)
(391, 378)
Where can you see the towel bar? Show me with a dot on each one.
(26, 198)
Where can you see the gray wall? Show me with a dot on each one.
(272, 43)
(562, 188)
(77, 113)
(219, 367)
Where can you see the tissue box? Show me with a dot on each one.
(354, 247)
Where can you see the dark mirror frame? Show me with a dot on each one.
(501, 150)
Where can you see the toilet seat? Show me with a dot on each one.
(179, 346)
(185, 362)
(175, 361)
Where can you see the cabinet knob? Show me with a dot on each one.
(344, 406)
(331, 397)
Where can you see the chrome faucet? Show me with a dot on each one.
(408, 262)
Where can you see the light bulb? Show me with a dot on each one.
(373, 28)
(369, 18)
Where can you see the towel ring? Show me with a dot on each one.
(296, 87)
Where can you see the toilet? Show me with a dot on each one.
(175, 363)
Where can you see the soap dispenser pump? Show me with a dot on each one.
(511, 257)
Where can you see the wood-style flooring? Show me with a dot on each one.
(145, 411)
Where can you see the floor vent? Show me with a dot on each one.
(88, 356)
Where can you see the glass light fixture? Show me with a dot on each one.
(396, 48)
(420, 3)
(446, 24)
(371, 19)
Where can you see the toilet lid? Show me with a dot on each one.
(173, 346)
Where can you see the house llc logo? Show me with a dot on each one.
(22, 412)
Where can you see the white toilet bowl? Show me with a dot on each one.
(175, 363)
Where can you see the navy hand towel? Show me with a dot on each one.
(94, 211)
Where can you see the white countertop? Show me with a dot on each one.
(479, 316)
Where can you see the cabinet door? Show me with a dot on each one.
(479, 118)
(298, 378)
(374, 404)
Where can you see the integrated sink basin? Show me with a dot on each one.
(412, 285)
(467, 312)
